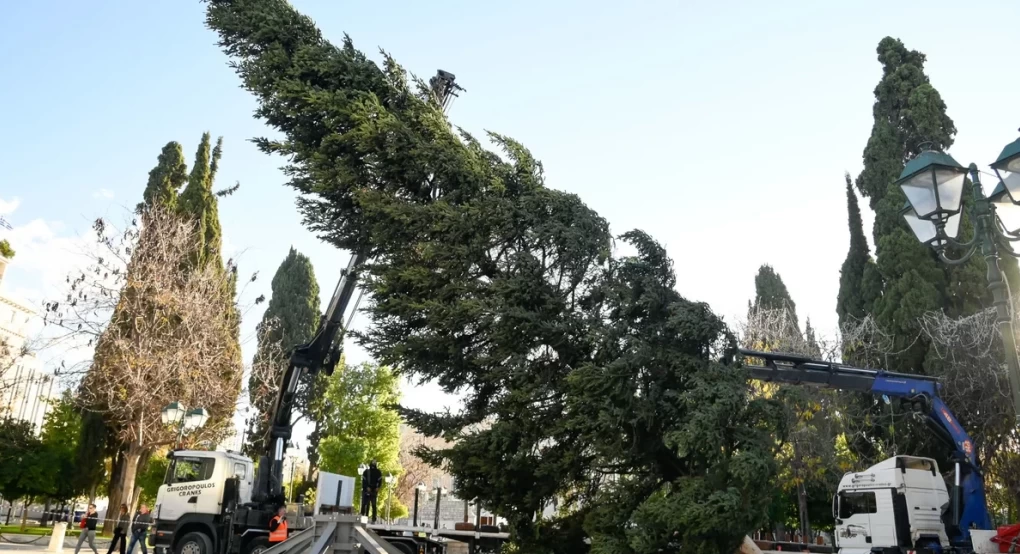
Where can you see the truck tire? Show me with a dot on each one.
(194, 543)
(257, 545)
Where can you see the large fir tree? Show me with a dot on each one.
(492, 284)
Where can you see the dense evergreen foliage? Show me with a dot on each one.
(490, 283)
(290, 320)
(857, 276)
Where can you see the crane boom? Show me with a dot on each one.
(919, 390)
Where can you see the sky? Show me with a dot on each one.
(723, 129)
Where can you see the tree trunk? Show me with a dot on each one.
(802, 499)
(24, 515)
(125, 486)
(113, 492)
(805, 522)
(135, 499)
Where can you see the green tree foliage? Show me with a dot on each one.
(199, 201)
(660, 406)
(290, 320)
(94, 446)
(61, 433)
(27, 464)
(857, 277)
(770, 293)
(151, 476)
(909, 115)
(359, 424)
(5, 249)
(492, 284)
(166, 179)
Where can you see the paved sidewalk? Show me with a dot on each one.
(38, 545)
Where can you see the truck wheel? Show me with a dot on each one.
(257, 545)
(194, 543)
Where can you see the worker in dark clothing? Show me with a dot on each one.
(139, 530)
(88, 529)
(371, 482)
(120, 532)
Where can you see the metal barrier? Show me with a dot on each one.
(295, 544)
(372, 542)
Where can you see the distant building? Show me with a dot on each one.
(25, 390)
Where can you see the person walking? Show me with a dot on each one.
(139, 529)
(371, 482)
(278, 526)
(88, 529)
(120, 531)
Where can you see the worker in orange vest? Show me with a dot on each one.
(278, 526)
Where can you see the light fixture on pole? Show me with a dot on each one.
(176, 413)
(390, 479)
(418, 489)
(933, 183)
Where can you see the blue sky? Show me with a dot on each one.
(723, 129)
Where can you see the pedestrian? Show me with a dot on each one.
(371, 482)
(139, 529)
(120, 531)
(88, 529)
(278, 526)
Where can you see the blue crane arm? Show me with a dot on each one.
(798, 370)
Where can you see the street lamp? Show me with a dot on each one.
(176, 414)
(390, 479)
(418, 489)
(933, 184)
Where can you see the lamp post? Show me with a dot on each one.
(390, 479)
(418, 489)
(440, 491)
(933, 183)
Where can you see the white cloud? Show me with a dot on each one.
(7, 207)
(103, 193)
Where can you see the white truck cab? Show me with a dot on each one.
(895, 504)
(195, 500)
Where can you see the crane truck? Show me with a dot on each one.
(221, 502)
(900, 505)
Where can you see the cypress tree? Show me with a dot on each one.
(167, 177)
(771, 293)
(199, 201)
(909, 117)
(857, 275)
(290, 320)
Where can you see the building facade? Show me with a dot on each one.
(25, 390)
